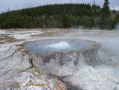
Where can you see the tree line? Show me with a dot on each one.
(61, 16)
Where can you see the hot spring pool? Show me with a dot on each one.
(61, 51)
(48, 46)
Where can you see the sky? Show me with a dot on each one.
(19, 4)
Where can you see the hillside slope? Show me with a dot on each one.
(54, 16)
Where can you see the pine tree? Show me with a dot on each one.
(105, 9)
(105, 15)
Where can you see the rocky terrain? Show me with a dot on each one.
(18, 73)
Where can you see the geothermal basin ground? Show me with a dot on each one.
(59, 59)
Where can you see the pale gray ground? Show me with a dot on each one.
(103, 76)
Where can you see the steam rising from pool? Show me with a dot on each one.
(59, 45)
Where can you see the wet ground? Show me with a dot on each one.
(16, 71)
